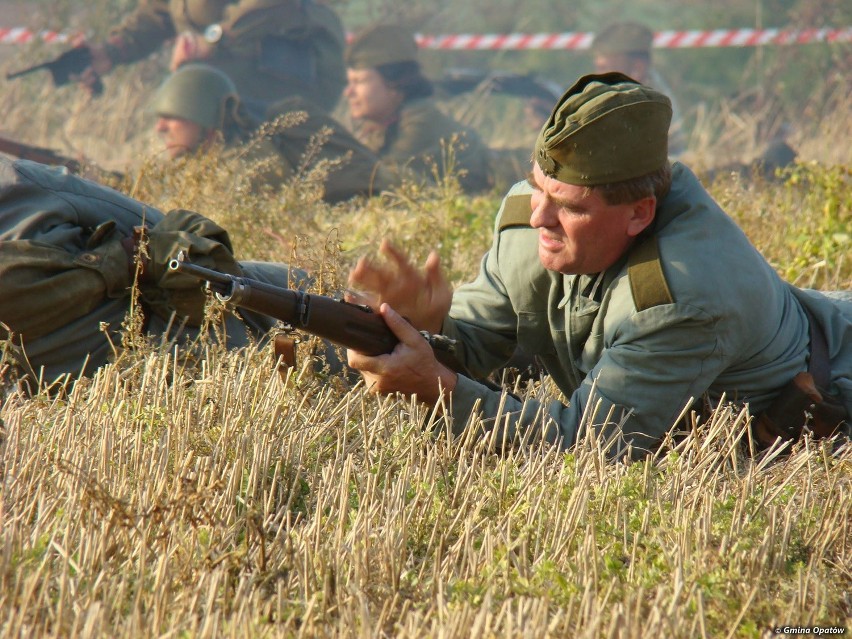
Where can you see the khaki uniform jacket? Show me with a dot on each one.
(414, 143)
(353, 169)
(734, 327)
(270, 48)
(64, 271)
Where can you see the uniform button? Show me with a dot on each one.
(89, 257)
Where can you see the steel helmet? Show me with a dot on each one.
(198, 93)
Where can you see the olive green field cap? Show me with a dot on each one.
(198, 93)
(381, 44)
(623, 38)
(606, 128)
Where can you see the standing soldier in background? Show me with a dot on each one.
(626, 47)
(198, 107)
(389, 94)
(271, 48)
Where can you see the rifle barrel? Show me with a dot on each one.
(17, 74)
(220, 283)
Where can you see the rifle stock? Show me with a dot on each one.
(71, 63)
(349, 325)
(43, 155)
(38, 154)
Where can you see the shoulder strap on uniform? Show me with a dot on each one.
(516, 212)
(645, 273)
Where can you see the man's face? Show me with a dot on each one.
(179, 136)
(579, 233)
(630, 65)
(369, 97)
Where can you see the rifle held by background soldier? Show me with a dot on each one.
(349, 325)
(44, 155)
(38, 154)
(65, 68)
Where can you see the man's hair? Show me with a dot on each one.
(656, 183)
(407, 78)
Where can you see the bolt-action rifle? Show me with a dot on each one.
(349, 325)
(38, 154)
(71, 63)
(44, 155)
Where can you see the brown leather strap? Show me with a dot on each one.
(285, 353)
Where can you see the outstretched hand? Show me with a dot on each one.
(424, 298)
(410, 369)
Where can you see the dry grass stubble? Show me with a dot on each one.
(226, 502)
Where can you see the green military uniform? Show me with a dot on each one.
(690, 309)
(417, 140)
(271, 48)
(419, 136)
(734, 326)
(360, 172)
(65, 269)
(205, 95)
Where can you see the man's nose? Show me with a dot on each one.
(542, 214)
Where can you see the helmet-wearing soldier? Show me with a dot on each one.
(388, 93)
(193, 107)
(198, 106)
(271, 48)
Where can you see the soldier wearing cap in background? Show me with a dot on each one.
(606, 265)
(272, 49)
(626, 47)
(388, 94)
(198, 107)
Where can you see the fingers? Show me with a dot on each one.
(369, 276)
(434, 273)
(400, 260)
(405, 332)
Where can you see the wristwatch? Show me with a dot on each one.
(213, 33)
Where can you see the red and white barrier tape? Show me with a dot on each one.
(562, 41)
(662, 39)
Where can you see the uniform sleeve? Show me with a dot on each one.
(51, 280)
(482, 318)
(422, 142)
(663, 359)
(417, 138)
(142, 32)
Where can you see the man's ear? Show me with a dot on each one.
(642, 215)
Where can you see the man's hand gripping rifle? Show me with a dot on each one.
(349, 325)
